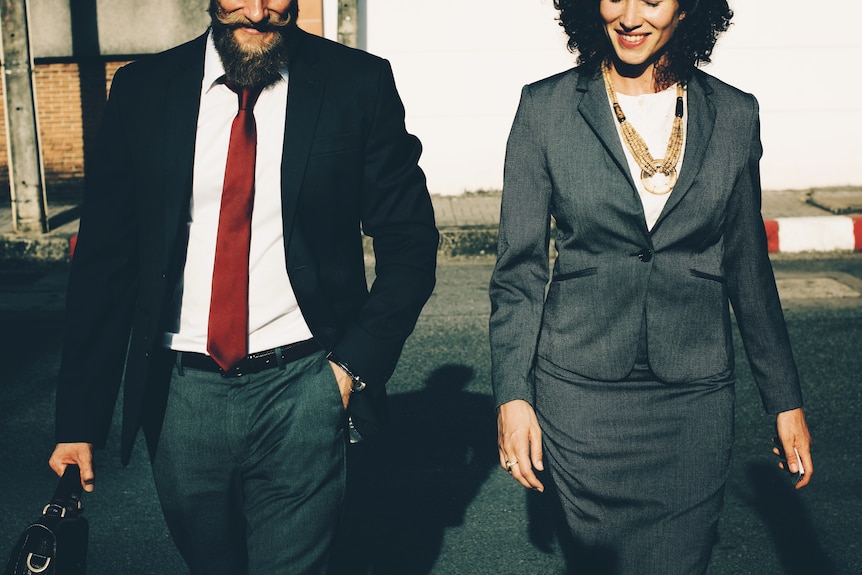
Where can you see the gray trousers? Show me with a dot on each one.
(250, 471)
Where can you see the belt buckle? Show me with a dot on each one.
(256, 362)
(232, 372)
(251, 364)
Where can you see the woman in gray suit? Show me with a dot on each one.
(618, 375)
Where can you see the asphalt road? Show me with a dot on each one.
(443, 505)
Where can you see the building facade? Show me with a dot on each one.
(460, 65)
(76, 47)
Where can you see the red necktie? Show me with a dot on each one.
(227, 337)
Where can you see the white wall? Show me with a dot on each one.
(460, 65)
(803, 63)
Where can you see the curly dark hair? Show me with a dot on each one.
(691, 44)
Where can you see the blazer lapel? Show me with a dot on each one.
(699, 125)
(304, 100)
(596, 111)
(181, 115)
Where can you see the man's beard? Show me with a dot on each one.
(250, 66)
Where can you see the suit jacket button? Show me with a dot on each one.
(645, 255)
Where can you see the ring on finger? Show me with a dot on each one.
(510, 464)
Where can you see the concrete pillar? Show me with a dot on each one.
(29, 205)
(348, 23)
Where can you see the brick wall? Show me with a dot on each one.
(69, 100)
(62, 124)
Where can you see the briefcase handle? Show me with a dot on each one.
(67, 497)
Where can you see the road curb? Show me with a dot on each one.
(814, 234)
(48, 248)
(784, 235)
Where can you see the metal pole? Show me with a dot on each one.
(348, 23)
(29, 204)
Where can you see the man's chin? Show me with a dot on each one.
(254, 43)
(250, 59)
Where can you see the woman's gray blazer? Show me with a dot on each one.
(612, 276)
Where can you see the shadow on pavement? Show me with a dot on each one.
(789, 523)
(405, 488)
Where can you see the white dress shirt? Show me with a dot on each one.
(274, 315)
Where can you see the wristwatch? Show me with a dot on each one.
(357, 385)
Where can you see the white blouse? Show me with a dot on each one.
(652, 116)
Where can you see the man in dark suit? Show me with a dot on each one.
(247, 380)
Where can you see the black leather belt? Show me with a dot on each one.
(255, 362)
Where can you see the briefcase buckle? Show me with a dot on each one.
(54, 510)
(40, 568)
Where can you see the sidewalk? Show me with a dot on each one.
(814, 220)
(51, 247)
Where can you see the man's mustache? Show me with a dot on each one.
(236, 20)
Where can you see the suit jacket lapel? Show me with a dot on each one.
(181, 115)
(699, 125)
(304, 100)
(596, 111)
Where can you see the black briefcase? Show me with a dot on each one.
(56, 543)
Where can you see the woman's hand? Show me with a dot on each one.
(793, 436)
(519, 440)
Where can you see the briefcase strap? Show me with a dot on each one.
(67, 497)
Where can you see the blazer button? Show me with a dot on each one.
(645, 255)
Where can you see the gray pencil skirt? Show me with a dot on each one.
(639, 466)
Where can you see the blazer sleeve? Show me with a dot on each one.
(398, 216)
(751, 286)
(102, 286)
(517, 288)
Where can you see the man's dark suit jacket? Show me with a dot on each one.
(349, 166)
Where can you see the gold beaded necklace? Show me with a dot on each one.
(658, 175)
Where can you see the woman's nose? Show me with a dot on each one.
(631, 17)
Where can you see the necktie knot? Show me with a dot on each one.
(247, 96)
